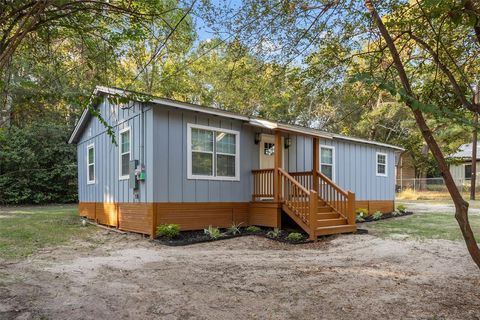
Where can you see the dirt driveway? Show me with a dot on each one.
(114, 276)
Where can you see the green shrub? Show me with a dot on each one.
(168, 230)
(274, 233)
(212, 232)
(377, 215)
(234, 229)
(362, 212)
(359, 218)
(402, 208)
(294, 236)
(253, 229)
(396, 213)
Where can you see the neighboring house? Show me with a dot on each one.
(405, 170)
(195, 166)
(461, 170)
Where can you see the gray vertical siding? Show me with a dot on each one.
(108, 187)
(170, 181)
(355, 166)
(165, 159)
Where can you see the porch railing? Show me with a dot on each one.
(337, 198)
(297, 197)
(341, 201)
(262, 184)
(300, 193)
(304, 178)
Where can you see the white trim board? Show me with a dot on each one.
(376, 164)
(120, 176)
(190, 175)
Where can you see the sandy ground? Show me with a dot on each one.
(114, 276)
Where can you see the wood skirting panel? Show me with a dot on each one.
(200, 215)
(384, 206)
(87, 209)
(136, 217)
(107, 213)
(265, 214)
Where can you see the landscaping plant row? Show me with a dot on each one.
(363, 214)
(170, 234)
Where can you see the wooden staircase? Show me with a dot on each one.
(328, 221)
(311, 199)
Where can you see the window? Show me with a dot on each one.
(125, 151)
(90, 164)
(381, 164)
(468, 171)
(327, 160)
(269, 148)
(213, 153)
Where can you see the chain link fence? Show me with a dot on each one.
(434, 184)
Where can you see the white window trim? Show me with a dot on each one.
(124, 177)
(91, 146)
(328, 164)
(386, 164)
(191, 126)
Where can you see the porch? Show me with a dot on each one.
(310, 198)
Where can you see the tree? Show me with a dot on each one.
(428, 62)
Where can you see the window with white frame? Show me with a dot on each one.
(327, 161)
(90, 163)
(125, 151)
(213, 153)
(381, 164)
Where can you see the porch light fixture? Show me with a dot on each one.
(257, 137)
(287, 143)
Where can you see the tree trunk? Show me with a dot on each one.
(461, 206)
(422, 185)
(473, 179)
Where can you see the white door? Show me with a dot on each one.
(267, 151)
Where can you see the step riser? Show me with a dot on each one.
(331, 222)
(324, 209)
(330, 215)
(335, 230)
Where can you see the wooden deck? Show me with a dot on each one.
(325, 210)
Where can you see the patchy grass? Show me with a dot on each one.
(23, 230)
(423, 226)
(409, 194)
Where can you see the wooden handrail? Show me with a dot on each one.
(285, 173)
(330, 182)
(304, 178)
(301, 173)
(262, 170)
(297, 199)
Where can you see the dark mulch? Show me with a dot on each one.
(387, 216)
(198, 236)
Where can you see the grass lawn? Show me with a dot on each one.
(23, 230)
(423, 226)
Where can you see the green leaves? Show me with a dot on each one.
(37, 165)
(400, 95)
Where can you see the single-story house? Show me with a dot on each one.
(461, 170)
(176, 162)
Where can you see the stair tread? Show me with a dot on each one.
(337, 227)
(332, 219)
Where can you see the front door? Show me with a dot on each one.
(267, 152)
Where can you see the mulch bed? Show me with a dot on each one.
(198, 236)
(386, 216)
